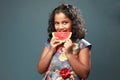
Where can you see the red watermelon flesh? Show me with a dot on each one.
(62, 36)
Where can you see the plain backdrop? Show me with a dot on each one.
(23, 32)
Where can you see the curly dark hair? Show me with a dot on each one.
(78, 28)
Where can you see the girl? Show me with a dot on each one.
(69, 60)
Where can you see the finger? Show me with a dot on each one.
(66, 42)
(57, 44)
(54, 38)
(55, 41)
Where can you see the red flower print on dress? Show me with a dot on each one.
(65, 73)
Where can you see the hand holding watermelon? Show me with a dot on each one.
(68, 45)
(54, 43)
(64, 37)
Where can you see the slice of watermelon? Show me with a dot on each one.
(62, 36)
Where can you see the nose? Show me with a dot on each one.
(61, 27)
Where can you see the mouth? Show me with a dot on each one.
(62, 31)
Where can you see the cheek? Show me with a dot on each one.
(56, 28)
(69, 27)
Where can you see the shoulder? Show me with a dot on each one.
(47, 44)
(83, 43)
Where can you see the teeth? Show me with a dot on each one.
(63, 31)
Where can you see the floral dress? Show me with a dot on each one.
(59, 68)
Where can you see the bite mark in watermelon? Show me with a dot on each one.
(62, 36)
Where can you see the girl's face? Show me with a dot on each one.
(62, 23)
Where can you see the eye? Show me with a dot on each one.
(65, 22)
(56, 23)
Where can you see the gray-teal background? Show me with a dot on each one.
(23, 31)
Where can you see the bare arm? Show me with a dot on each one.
(47, 55)
(80, 64)
(45, 59)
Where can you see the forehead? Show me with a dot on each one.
(61, 16)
